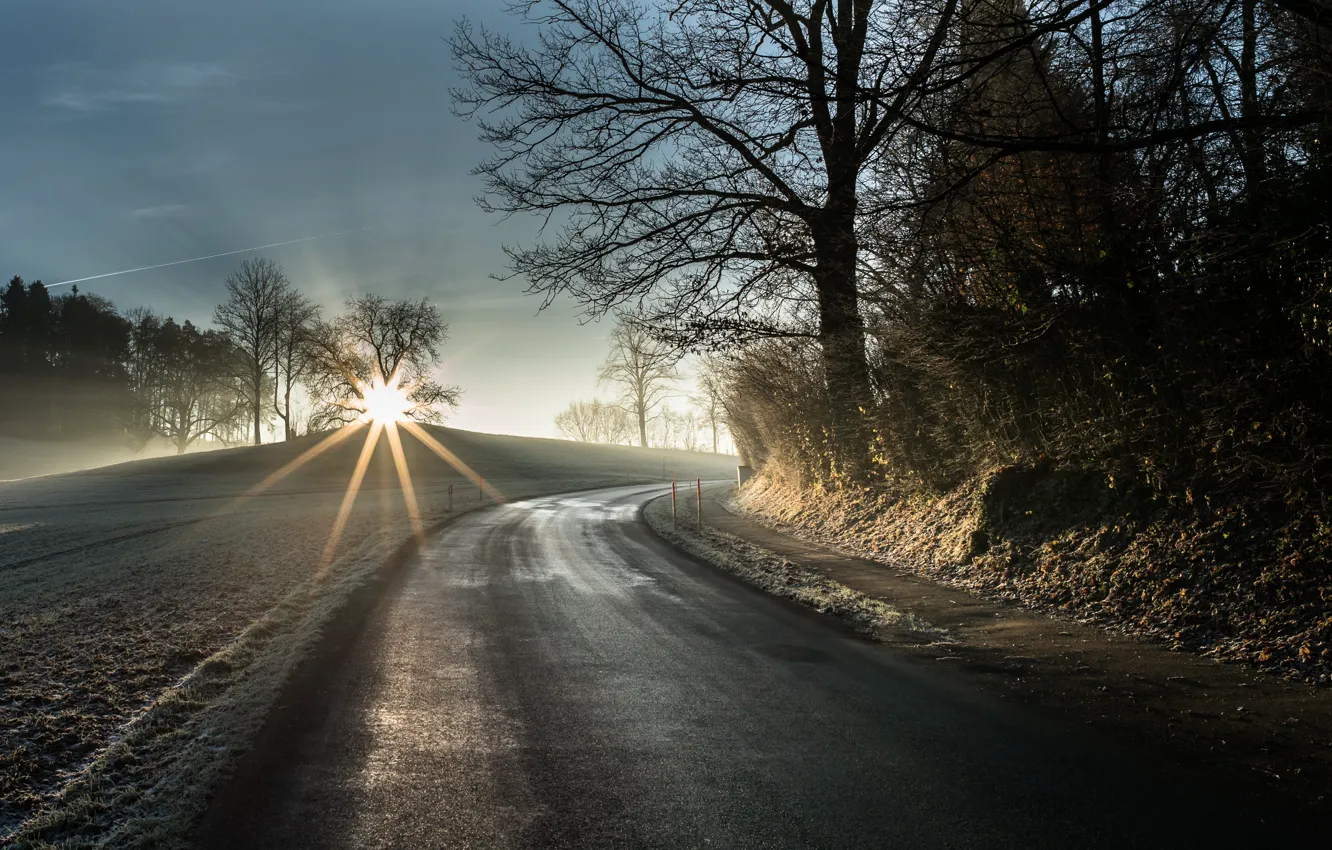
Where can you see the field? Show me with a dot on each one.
(22, 458)
(149, 610)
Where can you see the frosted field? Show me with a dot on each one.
(152, 605)
(21, 458)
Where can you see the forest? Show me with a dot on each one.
(73, 366)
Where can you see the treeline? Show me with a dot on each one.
(644, 372)
(73, 366)
(1080, 273)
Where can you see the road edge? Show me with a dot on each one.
(779, 576)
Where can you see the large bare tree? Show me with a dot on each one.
(718, 164)
(706, 158)
(642, 367)
(256, 293)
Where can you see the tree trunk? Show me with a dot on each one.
(1114, 267)
(258, 396)
(283, 410)
(642, 426)
(1255, 167)
(842, 338)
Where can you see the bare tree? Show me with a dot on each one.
(708, 157)
(672, 429)
(256, 293)
(185, 385)
(595, 421)
(296, 317)
(643, 368)
(377, 340)
(578, 421)
(708, 399)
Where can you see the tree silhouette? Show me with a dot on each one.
(191, 388)
(296, 319)
(378, 339)
(709, 398)
(256, 293)
(643, 368)
(62, 360)
(707, 159)
(595, 421)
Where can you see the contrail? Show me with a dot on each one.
(209, 257)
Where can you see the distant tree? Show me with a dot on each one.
(595, 421)
(13, 320)
(185, 381)
(642, 368)
(142, 365)
(23, 322)
(377, 340)
(708, 398)
(27, 323)
(683, 429)
(578, 421)
(256, 293)
(62, 361)
(296, 319)
(674, 429)
(88, 359)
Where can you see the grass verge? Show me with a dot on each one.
(1225, 584)
(777, 575)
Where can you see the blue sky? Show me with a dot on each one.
(146, 131)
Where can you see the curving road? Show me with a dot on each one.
(548, 673)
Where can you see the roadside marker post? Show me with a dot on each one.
(481, 488)
(450, 498)
(699, 483)
(672, 504)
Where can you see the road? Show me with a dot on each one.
(549, 673)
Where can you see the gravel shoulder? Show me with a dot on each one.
(1260, 735)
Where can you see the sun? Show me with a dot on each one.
(383, 402)
(385, 408)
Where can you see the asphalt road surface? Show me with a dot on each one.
(549, 673)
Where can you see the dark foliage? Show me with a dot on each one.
(62, 362)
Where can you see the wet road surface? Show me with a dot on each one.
(549, 673)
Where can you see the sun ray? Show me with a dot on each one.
(383, 406)
(353, 487)
(303, 458)
(405, 479)
(449, 457)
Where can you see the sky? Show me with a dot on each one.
(147, 131)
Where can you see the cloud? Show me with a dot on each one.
(161, 211)
(80, 88)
